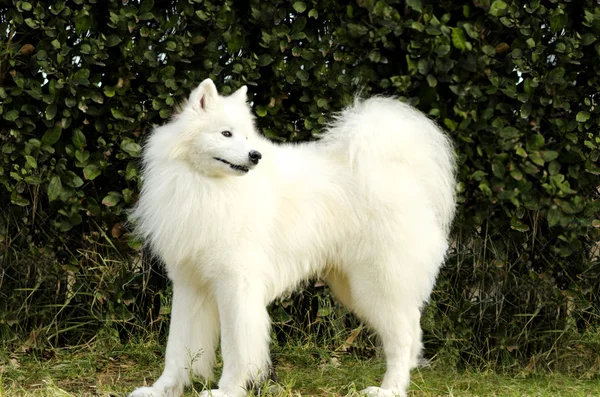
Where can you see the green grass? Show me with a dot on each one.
(112, 369)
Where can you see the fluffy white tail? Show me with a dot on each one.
(381, 131)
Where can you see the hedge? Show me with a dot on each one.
(515, 83)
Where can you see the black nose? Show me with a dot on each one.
(254, 156)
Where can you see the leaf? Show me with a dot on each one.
(536, 158)
(302, 75)
(118, 114)
(11, 115)
(54, 188)
(146, 5)
(498, 8)
(314, 13)
(112, 199)
(113, 40)
(131, 148)
(518, 225)
(509, 132)
(554, 216)
(299, 6)
(415, 5)
(51, 111)
(261, 111)
(554, 168)
(81, 77)
(549, 155)
(357, 30)
(51, 136)
(31, 161)
(83, 23)
(535, 142)
(91, 172)
(71, 179)
(459, 40)
(264, 60)
(582, 116)
(558, 20)
(78, 139)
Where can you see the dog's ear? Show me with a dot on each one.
(240, 94)
(203, 96)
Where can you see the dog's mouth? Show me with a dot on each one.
(236, 167)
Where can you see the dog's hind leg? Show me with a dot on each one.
(378, 299)
(193, 337)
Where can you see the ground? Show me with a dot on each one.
(304, 370)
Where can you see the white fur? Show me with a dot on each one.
(368, 208)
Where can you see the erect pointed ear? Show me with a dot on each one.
(240, 94)
(203, 96)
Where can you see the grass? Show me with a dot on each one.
(113, 369)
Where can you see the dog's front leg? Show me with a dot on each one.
(244, 335)
(193, 337)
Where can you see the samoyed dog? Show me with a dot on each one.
(240, 221)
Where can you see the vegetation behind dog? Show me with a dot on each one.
(514, 83)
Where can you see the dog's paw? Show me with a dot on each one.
(157, 392)
(145, 392)
(373, 391)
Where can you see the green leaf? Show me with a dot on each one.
(536, 158)
(146, 5)
(535, 142)
(51, 136)
(51, 111)
(509, 132)
(83, 23)
(261, 111)
(314, 13)
(558, 20)
(299, 6)
(554, 216)
(81, 77)
(516, 224)
(91, 171)
(498, 8)
(112, 199)
(31, 161)
(582, 116)
(113, 40)
(118, 114)
(264, 60)
(302, 75)
(357, 30)
(415, 5)
(26, 6)
(132, 148)
(202, 15)
(459, 40)
(11, 115)
(71, 179)
(79, 139)
(54, 188)
(549, 155)
(554, 168)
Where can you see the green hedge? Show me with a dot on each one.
(514, 82)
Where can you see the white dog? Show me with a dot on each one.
(239, 221)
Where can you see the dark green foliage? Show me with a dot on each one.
(514, 82)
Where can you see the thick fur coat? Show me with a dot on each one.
(239, 221)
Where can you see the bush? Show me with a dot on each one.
(515, 83)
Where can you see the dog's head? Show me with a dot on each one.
(218, 136)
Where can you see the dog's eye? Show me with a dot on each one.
(226, 134)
